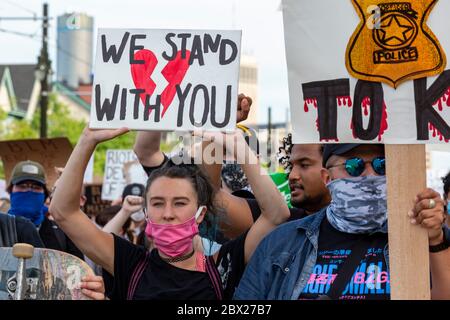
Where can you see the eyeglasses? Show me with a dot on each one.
(355, 166)
(24, 187)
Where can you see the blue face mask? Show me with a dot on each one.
(29, 205)
(448, 209)
(358, 205)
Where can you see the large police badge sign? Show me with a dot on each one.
(393, 43)
(377, 74)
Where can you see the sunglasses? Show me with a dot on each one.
(355, 166)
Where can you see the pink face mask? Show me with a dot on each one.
(174, 240)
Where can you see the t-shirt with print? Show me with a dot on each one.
(163, 281)
(231, 264)
(370, 279)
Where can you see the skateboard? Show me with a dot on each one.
(28, 273)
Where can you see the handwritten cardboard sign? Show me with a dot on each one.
(116, 175)
(50, 153)
(153, 79)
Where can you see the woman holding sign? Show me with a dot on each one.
(177, 199)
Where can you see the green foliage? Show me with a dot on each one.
(61, 124)
(125, 141)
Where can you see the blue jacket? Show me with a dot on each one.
(283, 262)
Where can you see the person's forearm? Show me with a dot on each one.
(213, 165)
(440, 274)
(269, 198)
(147, 148)
(67, 195)
(115, 224)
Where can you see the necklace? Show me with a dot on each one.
(178, 259)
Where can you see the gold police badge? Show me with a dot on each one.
(392, 43)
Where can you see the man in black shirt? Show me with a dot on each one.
(341, 251)
(18, 230)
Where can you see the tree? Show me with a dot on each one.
(61, 124)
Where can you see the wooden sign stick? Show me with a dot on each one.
(408, 244)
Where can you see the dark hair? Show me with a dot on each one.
(200, 183)
(234, 177)
(284, 153)
(446, 182)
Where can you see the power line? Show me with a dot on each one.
(38, 38)
(71, 55)
(18, 33)
(34, 13)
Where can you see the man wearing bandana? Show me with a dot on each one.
(28, 192)
(341, 252)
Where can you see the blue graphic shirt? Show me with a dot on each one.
(370, 280)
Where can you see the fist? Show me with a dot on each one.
(243, 107)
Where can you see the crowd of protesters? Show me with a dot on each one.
(223, 231)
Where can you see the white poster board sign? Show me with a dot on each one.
(3, 192)
(153, 79)
(114, 179)
(329, 105)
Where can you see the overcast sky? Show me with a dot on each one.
(260, 22)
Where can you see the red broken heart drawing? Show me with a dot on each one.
(173, 72)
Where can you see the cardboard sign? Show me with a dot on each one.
(94, 203)
(114, 179)
(166, 79)
(381, 41)
(134, 173)
(50, 153)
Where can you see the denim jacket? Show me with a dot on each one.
(283, 262)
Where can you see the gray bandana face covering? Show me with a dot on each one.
(358, 205)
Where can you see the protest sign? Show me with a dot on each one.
(134, 173)
(89, 173)
(3, 193)
(50, 153)
(153, 79)
(340, 45)
(358, 74)
(114, 179)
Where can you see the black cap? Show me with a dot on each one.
(336, 149)
(28, 170)
(133, 189)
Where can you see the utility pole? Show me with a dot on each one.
(43, 68)
(44, 64)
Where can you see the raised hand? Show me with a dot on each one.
(428, 212)
(132, 204)
(243, 107)
(100, 135)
